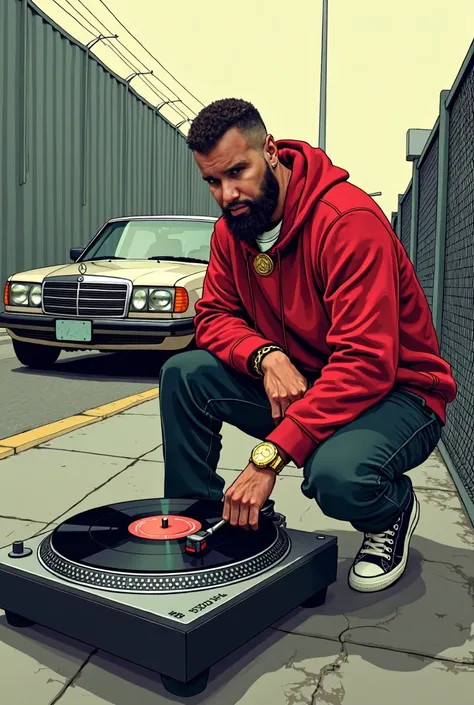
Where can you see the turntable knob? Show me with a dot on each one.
(19, 550)
(164, 523)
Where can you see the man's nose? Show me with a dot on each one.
(229, 194)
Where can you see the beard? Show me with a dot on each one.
(247, 226)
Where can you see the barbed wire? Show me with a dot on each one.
(150, 54)
(110, 45)
(97, 32)
(138, 59)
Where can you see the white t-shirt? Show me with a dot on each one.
(267, 239)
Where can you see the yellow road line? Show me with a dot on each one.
(5, 452)
(29, 439)
(115, 407)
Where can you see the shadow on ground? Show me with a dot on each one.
(426, 615)
(123, 367)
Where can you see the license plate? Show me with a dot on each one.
(77, 331)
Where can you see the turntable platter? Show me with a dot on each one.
(139, 546)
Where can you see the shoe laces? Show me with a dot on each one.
(379, 544)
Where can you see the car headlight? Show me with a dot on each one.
(25, 294)
(160, 300)
(139, 299)
(35, 295)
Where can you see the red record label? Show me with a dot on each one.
(158, 529)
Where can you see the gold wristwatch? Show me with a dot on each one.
(265, 455)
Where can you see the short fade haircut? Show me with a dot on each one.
(213, 121)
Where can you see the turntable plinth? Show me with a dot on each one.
(94, 580)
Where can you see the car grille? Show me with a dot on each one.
(91, 299)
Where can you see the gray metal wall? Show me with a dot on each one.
(443, 240)
(77, 146)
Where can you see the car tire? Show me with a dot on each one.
(38, 357)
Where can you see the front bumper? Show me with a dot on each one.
(106, 332)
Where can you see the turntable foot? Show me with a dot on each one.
(316, 600)
(186, 690)
(16, 620)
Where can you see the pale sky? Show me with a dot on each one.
(388, 60)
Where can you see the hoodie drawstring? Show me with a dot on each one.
(252, 300)
(282, 308)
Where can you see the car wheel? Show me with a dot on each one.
(38, 357)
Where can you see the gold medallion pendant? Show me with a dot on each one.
(263, 265)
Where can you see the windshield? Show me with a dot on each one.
(154, 239)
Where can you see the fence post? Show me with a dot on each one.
(416, 141)
(442, 197)
(85, 125)
(415, 193)
(399, 216)
(23, 127)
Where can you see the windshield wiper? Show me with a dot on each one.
(93, 259)
(178, 259)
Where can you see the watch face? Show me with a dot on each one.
(264, 453)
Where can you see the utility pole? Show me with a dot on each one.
(324, 78)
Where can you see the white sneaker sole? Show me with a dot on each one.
(380, 582)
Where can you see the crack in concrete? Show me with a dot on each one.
(316, 680)
(397, 613)
(419, 488)
(99, 487)
(446, 661)
(31, 521)
(337, 695)
(467, 580)
(74, 678)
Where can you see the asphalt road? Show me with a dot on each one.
(80, 381)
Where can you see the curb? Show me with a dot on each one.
(29, 439)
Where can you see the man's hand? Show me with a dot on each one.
(244, 499)
(283, 383)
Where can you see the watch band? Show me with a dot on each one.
(276, 463)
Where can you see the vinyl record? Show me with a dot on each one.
(132, 537)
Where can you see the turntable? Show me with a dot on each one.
(165, 584)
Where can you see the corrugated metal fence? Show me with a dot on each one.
(77, 146)
(440, 238)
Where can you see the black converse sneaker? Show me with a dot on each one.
(383, 557)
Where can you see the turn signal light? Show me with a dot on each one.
(6, 294)
(181, 300)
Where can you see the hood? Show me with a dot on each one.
(140, 272)
(312, 175)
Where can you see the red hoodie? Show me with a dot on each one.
(343, 301)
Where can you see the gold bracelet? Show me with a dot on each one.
(257, 363)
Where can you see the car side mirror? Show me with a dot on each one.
(75, 253)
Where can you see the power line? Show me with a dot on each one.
(118, 41)
(149, 53)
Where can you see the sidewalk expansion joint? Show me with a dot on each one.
(90, 452)
(383, 647)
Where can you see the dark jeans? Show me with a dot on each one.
(357, 475)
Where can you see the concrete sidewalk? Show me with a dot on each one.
(412, 643)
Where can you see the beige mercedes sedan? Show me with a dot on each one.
(133, 287)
